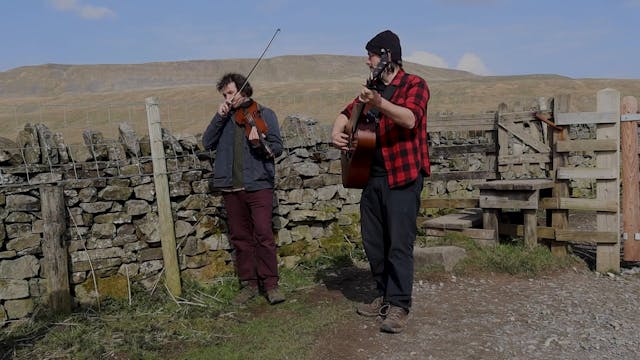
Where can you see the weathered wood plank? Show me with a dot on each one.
(526, 138)
(481, 234)
(630, 179)
(587, 145)
(517, 230)
(524, 159)
(608, 257)
(513, 199)
(517, 184)
(431, 128)
(567, 173)
(435, 151)
(165, 226)
(587, 118)
(559, 218)
(587, 237)
(630, 117)
(54, 250)
(579, 204)
(462, 175)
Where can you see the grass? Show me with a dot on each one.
(206, 326)
(511, 258)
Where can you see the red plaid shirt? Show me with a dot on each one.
(405, 151)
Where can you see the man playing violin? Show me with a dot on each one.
(247, 138)
(391, 197)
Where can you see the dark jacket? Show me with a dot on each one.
(258, 171)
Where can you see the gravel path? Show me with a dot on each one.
(573, 315)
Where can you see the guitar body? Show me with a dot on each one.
(356, 162)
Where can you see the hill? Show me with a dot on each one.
(69, 98)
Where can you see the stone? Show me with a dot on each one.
(13, 289)
(115, 287)
(446, 256)
(21, 268)
(137, 207)
(20, 308)
(129, 139)
(21, 202)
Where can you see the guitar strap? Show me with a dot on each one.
(387, 93)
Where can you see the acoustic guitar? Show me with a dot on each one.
(361, 128)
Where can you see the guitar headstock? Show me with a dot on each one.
(375, 78)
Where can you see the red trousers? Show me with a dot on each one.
(249, 216)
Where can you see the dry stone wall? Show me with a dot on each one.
(112, 221)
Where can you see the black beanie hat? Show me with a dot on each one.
(389, 41)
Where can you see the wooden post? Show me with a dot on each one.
(54, 249)
(630, 181)
(559, 217)
(608, 255)
(503, 142)
(165, 227)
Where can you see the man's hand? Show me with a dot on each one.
(224, 109)
(371, 97)
(340, 140)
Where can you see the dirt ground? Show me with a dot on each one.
(577, 314)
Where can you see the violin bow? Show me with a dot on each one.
(254, 66)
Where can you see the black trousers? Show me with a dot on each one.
(388, 226)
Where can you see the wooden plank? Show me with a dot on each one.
(630, 117)
(517, 184)
(431, 128)
(476, 117)
(567, 173)
(474, 233)
(608, 257)
(519, 116)
(517, 230)
(54, 250)
(435, 151)
(462, 175)
(587, 118)
(503, 135)
(524, 159)
(587, 237)
(530, 226)
(463, 219)
(559, 219)
(512, 199)
(630, 180)
(443, 203)
(579, 204)
(526, 138)
(587, 145)
(165, 226)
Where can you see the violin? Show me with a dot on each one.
(249, 116)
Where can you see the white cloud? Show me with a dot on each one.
(473, 63)
(88, 12)
(425, 58)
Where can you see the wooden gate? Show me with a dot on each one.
(532, 146)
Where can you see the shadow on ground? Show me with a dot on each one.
(353, 282)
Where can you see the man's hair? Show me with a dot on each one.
(239, 80)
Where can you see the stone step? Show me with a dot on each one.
(463, 219)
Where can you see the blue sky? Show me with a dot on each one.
(576, 38)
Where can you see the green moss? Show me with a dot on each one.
(115, 286)
(295, 248)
